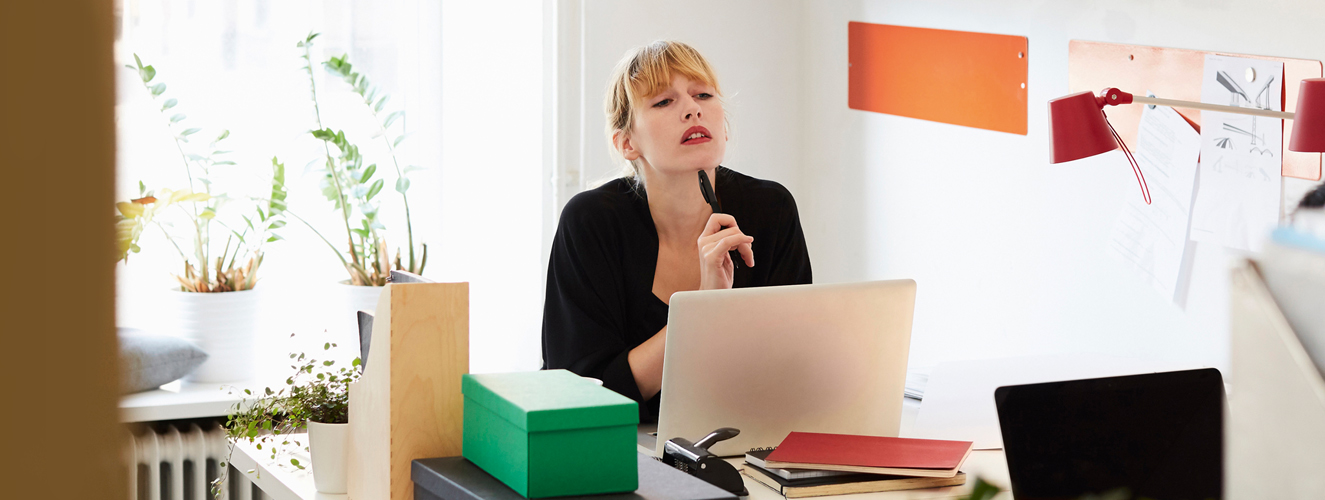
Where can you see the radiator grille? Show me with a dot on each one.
(178, 461)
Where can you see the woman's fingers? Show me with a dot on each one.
(747, 253)
(708, 239)
(717, 222)
(716, 251)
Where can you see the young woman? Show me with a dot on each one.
(622, 249)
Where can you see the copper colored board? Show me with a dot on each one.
(1174, 74)
(958, 77)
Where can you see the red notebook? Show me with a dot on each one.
(870, 454)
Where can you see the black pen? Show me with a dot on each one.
(712, 199)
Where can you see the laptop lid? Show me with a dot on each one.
(1156, 435)
(771, 360)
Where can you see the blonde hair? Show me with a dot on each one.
(643, 73)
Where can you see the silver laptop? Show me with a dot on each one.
(772, 360)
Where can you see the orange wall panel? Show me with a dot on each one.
(958, 77)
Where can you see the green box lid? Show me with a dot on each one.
(549, 400)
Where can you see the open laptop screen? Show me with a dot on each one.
(1157, 435)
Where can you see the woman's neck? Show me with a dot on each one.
(676, 204)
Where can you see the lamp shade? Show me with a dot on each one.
(1077, 128)
(1309, 119)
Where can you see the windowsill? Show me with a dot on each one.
(179, 400)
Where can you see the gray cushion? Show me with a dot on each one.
(148, 362)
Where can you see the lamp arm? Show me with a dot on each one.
(1114, 97)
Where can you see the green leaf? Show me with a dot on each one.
(158, 89)
(223, 162)
(177, 117)
(170, 103)
(208, 214)
(402, 185)
(276, 224)
(148, 73)
(356, 362)
(391, 118)
(274, 237)
(363, 233)
(377, 186)
(137, 60)
(189, 132)
(248, 392)
(381, 103)
(224, 134)
(368, 173)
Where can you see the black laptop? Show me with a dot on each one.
(1157, 436)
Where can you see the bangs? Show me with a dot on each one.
(657, 63)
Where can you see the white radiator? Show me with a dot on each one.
(158, 471)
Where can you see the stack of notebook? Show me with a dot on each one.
(809, 464)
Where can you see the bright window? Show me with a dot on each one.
(468, 79)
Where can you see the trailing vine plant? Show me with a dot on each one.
(318, 391)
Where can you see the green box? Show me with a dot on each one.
(550, 433)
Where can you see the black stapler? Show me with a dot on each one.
(695, 459)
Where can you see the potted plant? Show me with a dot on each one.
(219, 240)
(352, 186)
(316, 398)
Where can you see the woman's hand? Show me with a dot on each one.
(715, 266)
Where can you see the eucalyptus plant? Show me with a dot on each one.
(352, 187)
(196, 208)
(318, 391)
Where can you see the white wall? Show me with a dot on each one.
(1009, 251)
(753, 46)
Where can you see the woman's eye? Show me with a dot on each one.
(703, 95)
(662, 103)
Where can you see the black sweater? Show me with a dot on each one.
(600, 302)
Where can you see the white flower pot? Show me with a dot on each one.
(327, 445)
(356, 298)
(224, 325)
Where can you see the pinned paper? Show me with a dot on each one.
(1237, 203)
(1152, 239)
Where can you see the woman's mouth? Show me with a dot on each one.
(696, 135)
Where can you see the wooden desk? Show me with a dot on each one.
(284, 482)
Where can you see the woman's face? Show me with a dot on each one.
(682, 129)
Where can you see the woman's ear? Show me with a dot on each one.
(623, 144)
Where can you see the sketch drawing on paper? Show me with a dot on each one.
(1237, 201)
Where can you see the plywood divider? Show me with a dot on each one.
(407, 405)
(1174, 74)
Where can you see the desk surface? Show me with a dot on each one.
(284, 482)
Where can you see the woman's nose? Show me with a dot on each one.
(691, 109)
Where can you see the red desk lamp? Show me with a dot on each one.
(1078, 128)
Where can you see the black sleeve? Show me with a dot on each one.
(791, 259)
(584, 311)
